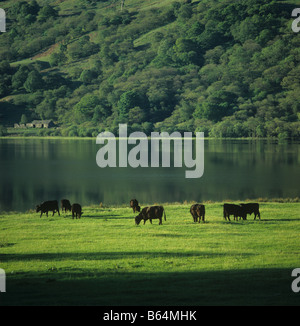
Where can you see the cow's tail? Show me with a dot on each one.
(164, 214)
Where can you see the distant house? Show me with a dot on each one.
(36, 124)
(40, 124)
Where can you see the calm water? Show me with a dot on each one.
(35, 170)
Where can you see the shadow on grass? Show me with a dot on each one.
(225, 287)
(110, 255)
(104, 217)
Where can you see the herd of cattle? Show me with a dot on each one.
(155, 212)
(197, 211)
(52, 205)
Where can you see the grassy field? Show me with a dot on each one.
(105, 259)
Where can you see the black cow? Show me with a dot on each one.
(251, 208)
(235, 210)
(198, 210)
(76, 211)
(65, 205)
(46, 206)
(151, 213)
(142, 216)
(134, 204)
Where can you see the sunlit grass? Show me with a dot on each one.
(104, 258)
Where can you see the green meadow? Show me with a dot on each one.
(105, 259)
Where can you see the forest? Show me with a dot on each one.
(225, 68)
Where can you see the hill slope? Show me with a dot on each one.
(228, 69)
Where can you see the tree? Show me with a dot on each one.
(33, 82)
(85, 108)
(45, 110)
(128, 100)
(46, 12)
(57, 59)
(216, 106)
(165, 53)
(87, 76)
(137, 115)
(82, 48)
(3, 130)
(187, 51)
(23, 118)
(19, 78)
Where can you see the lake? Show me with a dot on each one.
(35, 170)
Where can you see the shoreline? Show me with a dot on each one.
(19, 136)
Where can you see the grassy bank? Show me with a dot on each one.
(104, 259)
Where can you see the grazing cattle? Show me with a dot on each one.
(65, 205)
(235, 210)
(46, 206)
(251, 208)
(198, 210)
(142, 216)
(134, 204)
(76, 211)
(151, 213)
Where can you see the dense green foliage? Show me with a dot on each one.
(228, 68)
(104, 259)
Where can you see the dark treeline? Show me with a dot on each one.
(228, 68)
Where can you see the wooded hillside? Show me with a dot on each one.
(228, 68)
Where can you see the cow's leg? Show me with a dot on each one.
(160, 221)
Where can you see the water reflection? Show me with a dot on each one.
(34, 170)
